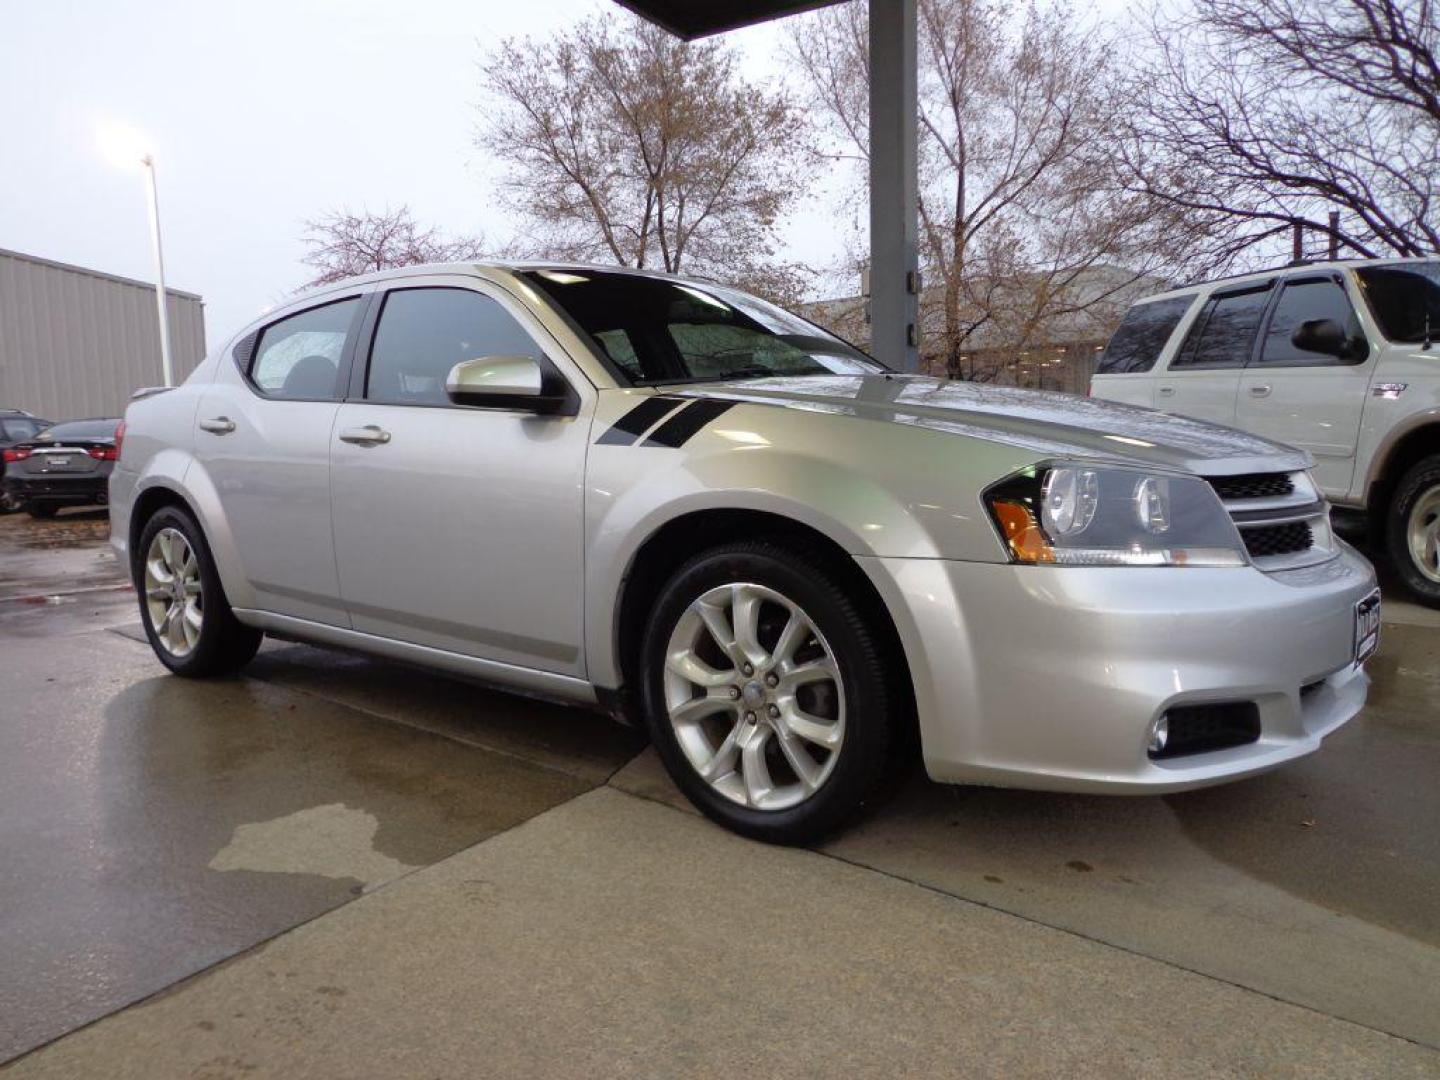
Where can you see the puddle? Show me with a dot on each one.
(333, 841)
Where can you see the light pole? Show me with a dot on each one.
(165, 367)
(124, 146)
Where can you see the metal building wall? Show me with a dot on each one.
(76, 342)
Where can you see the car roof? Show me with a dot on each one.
(483, 268)
(1286, 270)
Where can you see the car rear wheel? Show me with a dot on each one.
(765, 693)
(1413, 530)
(182, 604)
(9, 503)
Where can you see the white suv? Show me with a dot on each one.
(1340, 359)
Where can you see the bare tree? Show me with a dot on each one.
(1257, 115)
(344, 243)
(1023, 224)
(623, 144)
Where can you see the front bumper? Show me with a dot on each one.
(1046, 677)
(90, 487)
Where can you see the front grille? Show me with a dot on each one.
(1253, 486)
(1262, 541)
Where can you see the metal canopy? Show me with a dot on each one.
(690, 19)
(894, 228)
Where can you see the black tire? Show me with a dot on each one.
(872, 703)
(225, 644)
(42, 511)
(10, 504)
(1420, 483)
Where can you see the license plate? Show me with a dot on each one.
(57, 463)
(1367, 627)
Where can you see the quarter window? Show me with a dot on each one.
(1224, 332)
(423, 333)
(1405, 299)
(1142, 335)
(299, 358)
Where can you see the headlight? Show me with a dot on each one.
(1081, 515)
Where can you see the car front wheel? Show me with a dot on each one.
(765, 692)
(182, 604)
(1413, 530)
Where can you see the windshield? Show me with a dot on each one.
(1403, 296)
(654, 330)
(81, 429)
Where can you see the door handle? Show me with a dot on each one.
(1263, 390)
(218, 425)
(369, 435)
(1167, 391)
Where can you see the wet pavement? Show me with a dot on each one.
(155, 826)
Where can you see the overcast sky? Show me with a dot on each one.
(262, 115)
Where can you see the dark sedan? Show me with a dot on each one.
(65, 465)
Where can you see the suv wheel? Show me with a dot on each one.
(765, 693)
(186, 616)
(1413, 530)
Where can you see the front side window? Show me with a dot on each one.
(655, 330)
(1305, 301)
(1141, 336)
(1224, 332)
(298, 358)
(423, 333)
(1404, 298)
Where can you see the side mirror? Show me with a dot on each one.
(1328, 337)
(505, 382)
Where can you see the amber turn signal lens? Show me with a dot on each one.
(1022, 533)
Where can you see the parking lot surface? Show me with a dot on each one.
(410, 875)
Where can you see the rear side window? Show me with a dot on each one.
(423, 333)
(1403, 298)
(1224, 331)
(19, 430)
(298, 358)
(1303, 301)
(1142, 335)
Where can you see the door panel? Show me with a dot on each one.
(1305, 399)
(1206, 395)
(1204, 374)
(458, 528)
(266, 447)
(462, 531)
(272, 474)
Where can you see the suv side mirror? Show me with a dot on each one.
(506, 382)
(1328, 337)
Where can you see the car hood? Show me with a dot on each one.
(1049, 423)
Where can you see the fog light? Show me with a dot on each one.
(1159, 735)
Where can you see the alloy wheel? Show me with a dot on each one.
(754, 694)
(174, 597)
(1423, 533)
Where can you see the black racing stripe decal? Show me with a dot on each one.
(638, 420)
(676, 431)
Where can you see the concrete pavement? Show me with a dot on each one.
(616, 937)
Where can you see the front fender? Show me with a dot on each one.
(899, 505)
